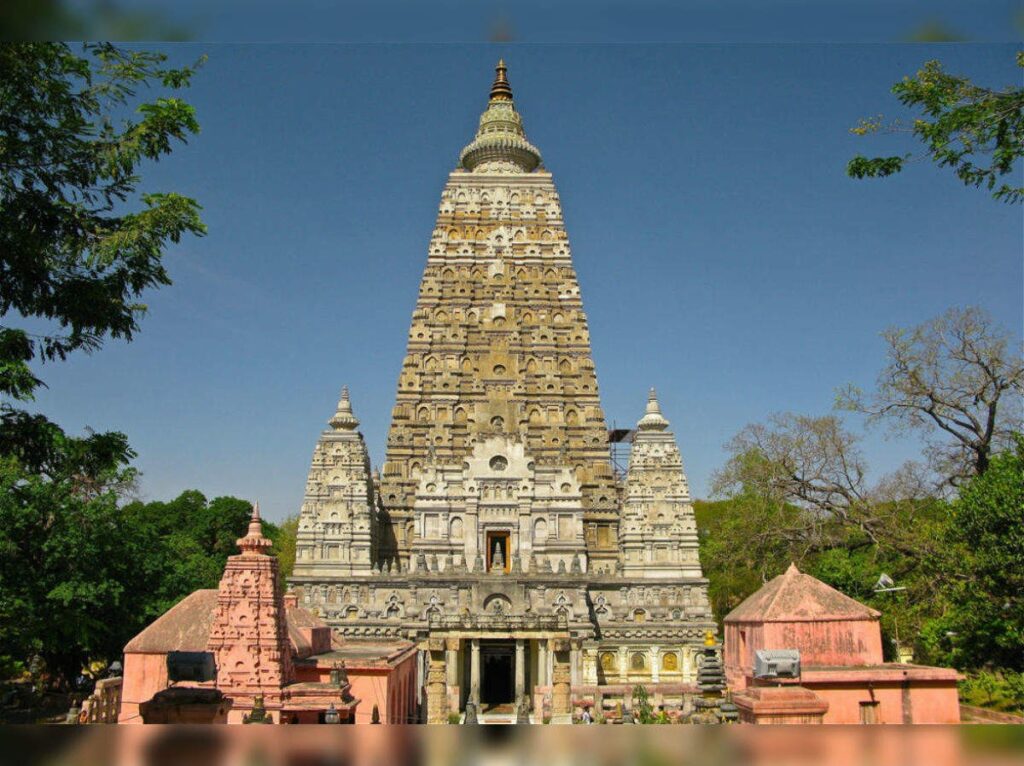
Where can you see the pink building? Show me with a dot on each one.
(840, 644)
(264, 645)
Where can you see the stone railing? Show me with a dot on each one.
(498, 622)
(104, 703)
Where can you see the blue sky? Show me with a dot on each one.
(723, 254)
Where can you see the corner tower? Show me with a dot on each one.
(498, 442)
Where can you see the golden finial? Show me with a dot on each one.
(501, 88)
(709, 639)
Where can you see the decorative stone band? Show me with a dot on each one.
(500, 149)
(504, 622)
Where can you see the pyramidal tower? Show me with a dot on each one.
(497, 408)
(497, 499)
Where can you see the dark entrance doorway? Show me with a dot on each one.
(497, 671)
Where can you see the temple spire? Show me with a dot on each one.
(652, 420)
(344, 419)
(254, 542)
(501, 89)
(500, 145)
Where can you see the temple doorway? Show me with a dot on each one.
(497, 671)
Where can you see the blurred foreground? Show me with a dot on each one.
(553, 745)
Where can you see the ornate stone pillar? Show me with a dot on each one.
(561, 690)
(655, 664)
(590, 663)
(687, 652)
(452, 646)
(520, 672)
(474, 672)
(542, 662)
(575, 663)
(437, 698)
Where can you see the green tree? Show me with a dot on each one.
(796, 490)
(642, 705)
(79, 243)
(743, 545)
(976, 131)
(284, 536)
(196, 537)
(985, 624)
(74, 577)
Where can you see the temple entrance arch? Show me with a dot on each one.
(497, 671)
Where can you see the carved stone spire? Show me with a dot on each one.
(501, 88)
(500, 145)
(254, 543)
(652, 420)
(343, 419)
(249, 633)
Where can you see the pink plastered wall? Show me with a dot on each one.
(392, 690)
(929, 702)
(830, 642)
(144, 676)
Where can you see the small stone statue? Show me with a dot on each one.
(498, 560)
(522, 712)
(259, 712)
(471, 714)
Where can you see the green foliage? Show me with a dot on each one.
(744, 543)
(642, 705)
(72, 251)
(1000, 690)
(80, 574)
(78, 245)
(741, 546)
(73, 573)
(985, 544)
(284, 536)
(977, 132)
(197, 536)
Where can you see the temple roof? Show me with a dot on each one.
(798, 597)
(185, 627)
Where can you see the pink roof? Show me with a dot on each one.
(798, 597)
(185, 627)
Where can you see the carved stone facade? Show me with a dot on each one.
(337, 525)
(498, 517)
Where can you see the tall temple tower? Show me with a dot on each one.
(497, 416)
(497, 499)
